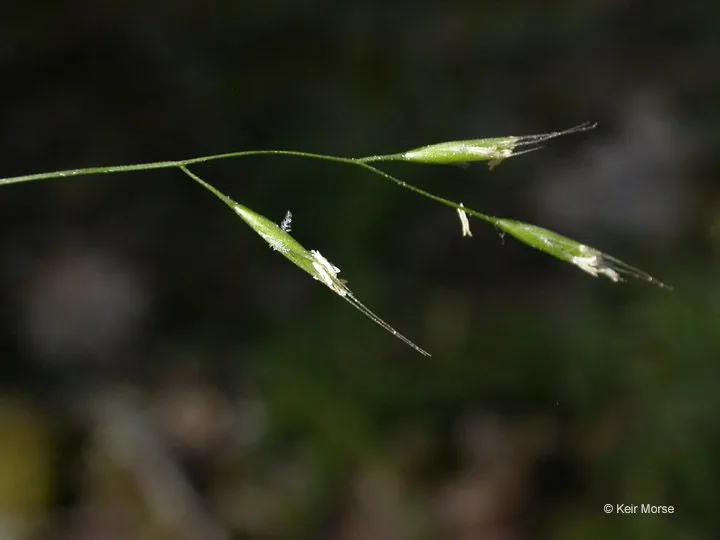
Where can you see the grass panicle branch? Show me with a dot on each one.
(493, 150)
(312, 262)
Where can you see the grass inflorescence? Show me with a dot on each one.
(493, 150)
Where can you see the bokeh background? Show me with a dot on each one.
(165, 375)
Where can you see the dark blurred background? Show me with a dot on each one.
(166, 375)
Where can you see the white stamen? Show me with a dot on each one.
(592, 262)
(503, 152)
(464, 223)
(327, 273)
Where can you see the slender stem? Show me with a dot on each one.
(361, 162)
(184, 163)
(90, 170)
(212, 189)
(165, 165)
(380, 157)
